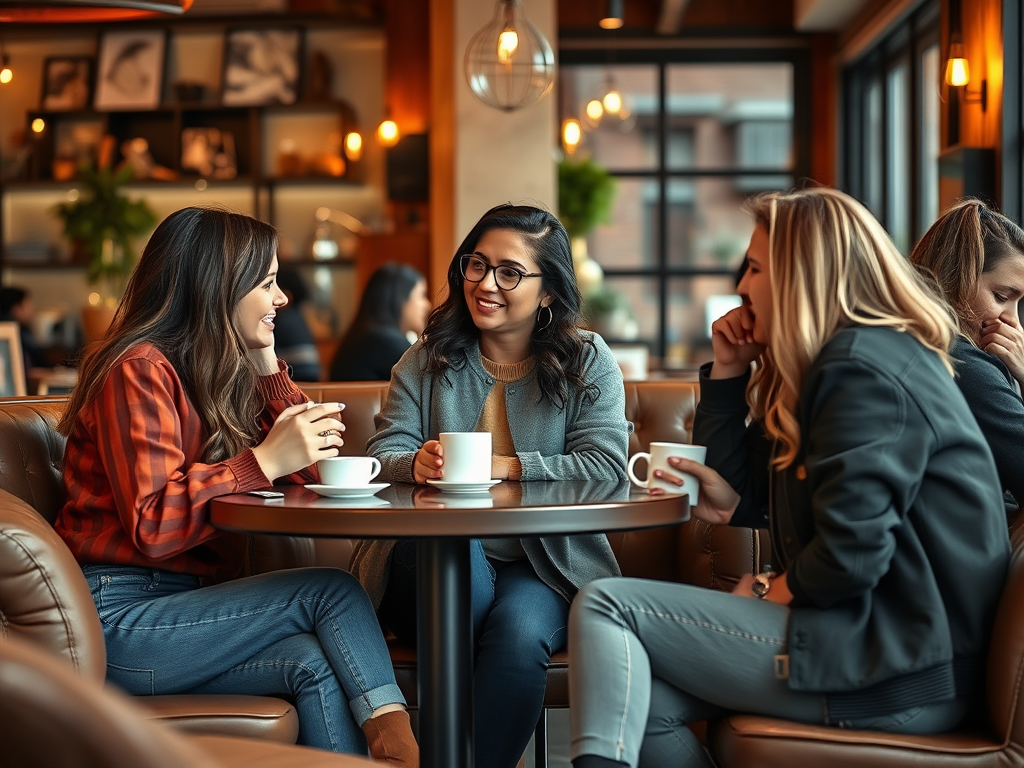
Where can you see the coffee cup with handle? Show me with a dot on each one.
(467, 457)
(657, 458)
(348, 471)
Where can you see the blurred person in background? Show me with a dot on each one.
(394, 308)
(16, 307)
(294, 340)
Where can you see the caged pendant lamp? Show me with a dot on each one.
(509, 64)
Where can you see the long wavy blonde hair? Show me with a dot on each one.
(832, 266)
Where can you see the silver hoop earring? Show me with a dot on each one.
(551, 316)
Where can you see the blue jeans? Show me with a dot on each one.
(518, 622)
(648, 657)
(307, 634)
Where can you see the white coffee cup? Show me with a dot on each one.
(658, 457)
(348, 471)
(467, 457)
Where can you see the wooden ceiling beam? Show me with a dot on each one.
(670, 19)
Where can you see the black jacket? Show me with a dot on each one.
(890, 523)
(995, 401)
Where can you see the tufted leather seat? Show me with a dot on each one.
(749, 741)
(50, 716)
(44, 597)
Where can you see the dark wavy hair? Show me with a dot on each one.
(181, 297)
(559, 348)
(966, 241)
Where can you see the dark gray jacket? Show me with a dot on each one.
(889, 524)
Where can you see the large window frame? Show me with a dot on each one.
(878, 167)
(791, 49)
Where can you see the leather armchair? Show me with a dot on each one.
(50, 716)
(749, 741)
(44, 598)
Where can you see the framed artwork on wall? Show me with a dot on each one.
(12, 363)
(67, 82)
(130, 70)
(261, 66)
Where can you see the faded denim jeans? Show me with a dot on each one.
(648, 657)
(307, 634)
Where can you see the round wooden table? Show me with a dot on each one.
(444, 523)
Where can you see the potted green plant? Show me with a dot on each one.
(102, 224)
(586, 192)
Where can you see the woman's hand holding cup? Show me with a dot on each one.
(302, 434)
(428, 462)
(717, 501)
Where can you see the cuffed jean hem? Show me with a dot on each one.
(363, 706)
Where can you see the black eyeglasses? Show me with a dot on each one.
(507, 278)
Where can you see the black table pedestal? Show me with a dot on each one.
(444, 653)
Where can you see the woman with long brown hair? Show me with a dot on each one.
(182, 401)
(976, 257)
(831, 417)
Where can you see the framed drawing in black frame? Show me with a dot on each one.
(261, 66)
(67, 82)
(131, 68)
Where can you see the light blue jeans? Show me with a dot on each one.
(308, 634)
(518, 622)
(648, 657)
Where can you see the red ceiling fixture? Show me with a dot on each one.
(62, 11)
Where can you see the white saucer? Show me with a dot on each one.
(454, 487)
(347, 492)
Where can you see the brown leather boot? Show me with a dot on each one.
(390, 739)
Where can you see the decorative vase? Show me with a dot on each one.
(588, 272)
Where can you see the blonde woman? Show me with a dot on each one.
(888, 534)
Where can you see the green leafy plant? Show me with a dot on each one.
(585, 195)
(104, 221)
(603, 302)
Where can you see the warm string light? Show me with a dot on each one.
(572, 134)
(6, 74)
(353, 145)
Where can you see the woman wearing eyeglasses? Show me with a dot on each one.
(504, 354)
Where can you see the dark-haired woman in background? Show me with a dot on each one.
(394, 305)
(504, 354)
(183, 400)
(976, 256)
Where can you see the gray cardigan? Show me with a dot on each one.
(583, 441)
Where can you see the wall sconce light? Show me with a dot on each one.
(958, 74)
(572, 133)
(6, 74)
(387, 133)
(612, 18)
(509, 63)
